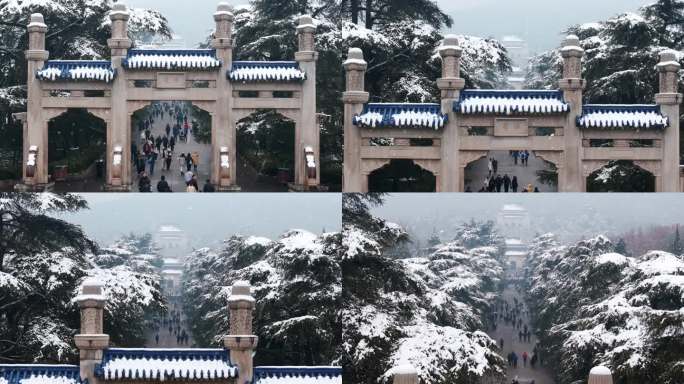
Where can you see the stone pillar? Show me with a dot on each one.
(241, 342)
(223, 130)
(120, 135)
(405, 374)
(354, 98)
(35, 134)
(307, 131)
(572, 86)
(600, 375)
(92, 340)
(450, 85)
(669, 99)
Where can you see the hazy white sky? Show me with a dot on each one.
(541, 22)
(208, 218)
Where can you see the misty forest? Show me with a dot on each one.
(44, 259)
(494, 302)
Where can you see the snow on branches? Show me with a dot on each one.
(598, 307)
(423, 311)
(297, 285)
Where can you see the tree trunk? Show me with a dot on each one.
(369, 14)
(354, 9)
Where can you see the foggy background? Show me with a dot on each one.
(207, 219)
(570, 216)
(540, 22)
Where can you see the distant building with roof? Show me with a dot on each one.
(231, 364)
(172, 241)
(519, 53)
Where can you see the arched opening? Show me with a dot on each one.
(77, 142)
(265, 152)
(621, 176)
(171, 147)
(402, 176)
(511, 171)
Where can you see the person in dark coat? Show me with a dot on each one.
(172, 143)
(495, 165)
(492, 185)
(144, 183)
(499, 183)
(514, 184)
(208, 187)
(188, 162)
(506, 183)
(163, 185)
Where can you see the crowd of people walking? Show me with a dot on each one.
(170, 326)
(515, 314)
(496, 182)
(161, 148)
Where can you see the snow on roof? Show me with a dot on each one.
(600, 370)
(39, 374)
(376, 115)
(298, 375)
(77, 70)
(511, 102)
(171, 59)
(169, 228)
(515, 253)
(165, 364)
(512, 207)
(266, 71)
(622, 116)
(172, 272)
(513, 242)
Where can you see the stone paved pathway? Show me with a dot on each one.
(174, 176)
(476, 172)
(509, 333)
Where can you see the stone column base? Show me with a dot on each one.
(116, 188)
(292, 187)
(229, 188)
(21, 187)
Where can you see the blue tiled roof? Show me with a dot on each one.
(292, 375)
(622, 116)
(14, 373)
(378, 115)
(165, 364)
(98, 70)
(266, 71)
(171, 59)
(475, 101)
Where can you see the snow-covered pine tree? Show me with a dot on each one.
(43, 260)
(599, 307)
(621, 54)
(425, 311)
(297, 285)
